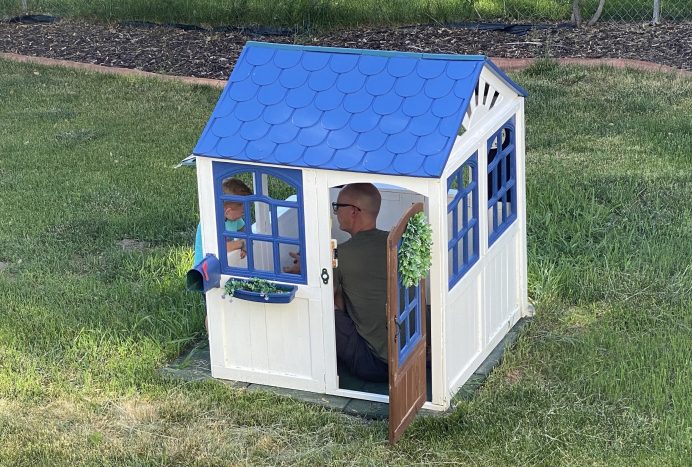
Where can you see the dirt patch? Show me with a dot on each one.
(514, 376)
(128, 244)
(212, 54)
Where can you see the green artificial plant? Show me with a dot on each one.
(254, 284)
(415, 252)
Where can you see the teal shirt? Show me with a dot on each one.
(230, 226)
(234, 226)
(199, 254)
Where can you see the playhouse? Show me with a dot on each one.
(299, 122)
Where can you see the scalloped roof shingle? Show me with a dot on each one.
(357, 110)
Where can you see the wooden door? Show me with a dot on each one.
(407, 340)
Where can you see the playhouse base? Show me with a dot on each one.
(195, 365)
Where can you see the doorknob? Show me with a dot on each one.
(325, 276)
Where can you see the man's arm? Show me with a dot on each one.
(338, 298)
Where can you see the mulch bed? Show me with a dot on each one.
(211, 54)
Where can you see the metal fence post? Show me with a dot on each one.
(657, 12)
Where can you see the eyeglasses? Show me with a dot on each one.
(336, 206)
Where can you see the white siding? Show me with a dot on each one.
(463, 328)
(483, 306)
(276, 344)
(501, 283)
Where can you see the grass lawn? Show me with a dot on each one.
(96, 236)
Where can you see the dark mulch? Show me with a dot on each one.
(211, 54)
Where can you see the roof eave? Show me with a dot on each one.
(521, 91)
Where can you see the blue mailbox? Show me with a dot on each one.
(205, 275)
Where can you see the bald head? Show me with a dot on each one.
(365, 196)
(367, 199)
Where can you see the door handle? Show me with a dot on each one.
(325, 276)
(335, 253)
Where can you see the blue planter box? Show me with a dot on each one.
(285, 296)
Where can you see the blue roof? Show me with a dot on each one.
(357, 110)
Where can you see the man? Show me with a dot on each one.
(360, 284)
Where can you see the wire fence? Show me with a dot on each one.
(357, 11)
(613, 10)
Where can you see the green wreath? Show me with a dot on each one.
(415, 252)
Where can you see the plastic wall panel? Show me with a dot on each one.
(274, 344)
(463, 329)
(501, 283)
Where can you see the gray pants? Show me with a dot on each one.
(354, 353)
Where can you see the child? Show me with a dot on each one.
(234, 212)
(233, 215)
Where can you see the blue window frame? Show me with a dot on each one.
(462, 219)
(408, 319)
(502, 181)
(256, 231)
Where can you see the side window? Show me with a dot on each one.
(259, 220)
(462, 219)
(502, 186)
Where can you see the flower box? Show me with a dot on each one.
(242, 289)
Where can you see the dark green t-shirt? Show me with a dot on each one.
(362, 275)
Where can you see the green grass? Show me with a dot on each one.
(96, 235)
(310, 15)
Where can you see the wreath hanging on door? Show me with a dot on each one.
(415, 252)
